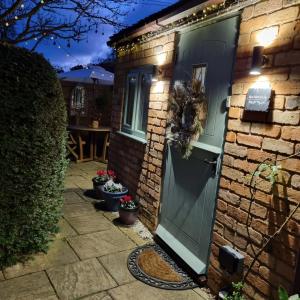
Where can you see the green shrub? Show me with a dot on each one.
(32, 153)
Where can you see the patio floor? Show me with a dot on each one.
(88, 258)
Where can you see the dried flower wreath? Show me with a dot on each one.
(187, 115)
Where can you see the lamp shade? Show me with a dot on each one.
(258, 60)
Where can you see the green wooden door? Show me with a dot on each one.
(190, 186)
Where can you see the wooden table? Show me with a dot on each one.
(93, 141)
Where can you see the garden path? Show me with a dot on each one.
(88, 259)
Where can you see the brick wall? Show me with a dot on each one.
(92, 92)
(249, 143)
(275, 135)
(139, 166)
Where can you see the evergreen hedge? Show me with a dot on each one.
(32, 153)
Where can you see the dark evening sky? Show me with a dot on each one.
(83, 52)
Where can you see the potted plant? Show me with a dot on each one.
(102, 177)
(128, 210)
(112, 192)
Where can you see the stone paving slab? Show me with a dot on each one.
(72, 197)
(60, 253)
(100, 243)
(134, 236)
(99, 296)
(141, 291)
(30, 287)
(65, 230)
(82, 182)
(90, 223)
(77, 209)
(116, 265)
(80, 279)
(204, 295)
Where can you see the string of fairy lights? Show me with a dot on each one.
(127, 45)
(55, 41)
(133, 45)
(50, 37)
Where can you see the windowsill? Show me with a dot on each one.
(133, 137)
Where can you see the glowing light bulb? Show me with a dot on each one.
(266, 36)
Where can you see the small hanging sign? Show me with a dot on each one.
(258, 99)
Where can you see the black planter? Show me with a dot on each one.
(128, 216)
(112, 200)
(97, 187)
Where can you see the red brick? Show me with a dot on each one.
(247, 13)
(237, 125)
(240, 242)
(224, 183)
(238, 100)
(260, 284)
(293, 102)
(264, 7)
(240, 189)
(237, 88)
(266, 129)
(249, 233)
(221, 205)
(291, 164)
(244, 165)
(260, 226)
(244, 39)
(231, 137)
(278, 146)
(228, 160)
(235, 150)
(219, 240)
(237, 214)
(287, 58)
(249, 140)
(289, 87)
(234, 112)
(258, 155)
(296, 181)
(291, 133)
(229, 197)
(232, 174)
(282, 16)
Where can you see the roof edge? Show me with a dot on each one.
(154, 19)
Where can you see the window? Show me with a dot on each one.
(78, 101)
(135, 112)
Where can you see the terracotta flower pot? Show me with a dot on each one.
(128, 216)
(112, 200)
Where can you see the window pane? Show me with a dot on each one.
(130, 99)
(143, 102)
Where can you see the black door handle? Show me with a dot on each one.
(212, 163)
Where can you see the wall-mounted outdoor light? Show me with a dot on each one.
(157, 72)
(258, 60)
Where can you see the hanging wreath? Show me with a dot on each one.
(187, 115)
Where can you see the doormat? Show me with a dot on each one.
(153, 266)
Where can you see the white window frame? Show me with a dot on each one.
(132, 129)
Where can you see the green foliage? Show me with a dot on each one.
(32, 153)
(269, 170)
(283, 295)
(237, 292)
